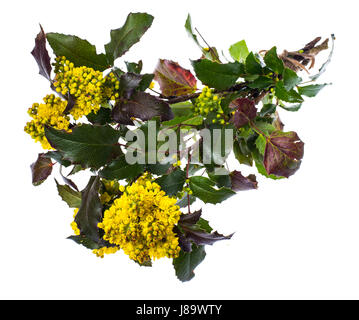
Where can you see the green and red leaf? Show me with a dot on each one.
(173, 79)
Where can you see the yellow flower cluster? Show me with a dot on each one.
(141, 222)
(49, 113)
(207, 103)
(110, 191)
(74, 224)
(88, 86)
(105, 250)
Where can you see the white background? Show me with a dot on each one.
(294, 239)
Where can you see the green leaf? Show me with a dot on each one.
(187, 261)
(158, 168)
(202, 188)
(290, 79)
(188, 27)
(190, 120)
(221, 180)
(292, 107)
(239, 51)
(124, 38)
(291, 96)
(172, 183)
(58, 157)
(90, 212)
(311, 90)
(264, 126)
(69, 195)
(217, 75)
(242, 153)
(183, 202)
(134, 67)
(267, 109)
(86, 242)
(41, 169)
(273, 62)
(80, 52)
(92, 146)
(101, 117)
(261, 83)
(252, 66)
(119, 169)
(261, 144)
(182, 109)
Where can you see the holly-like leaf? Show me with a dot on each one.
(86, 242)
(202, 237)
(173, 182)
(41, 55)
(273, 62)
(267, 109)
(290, 79)
(79, 51)
(261, 82)
(101, 117)
(90, 212)
(124, 38)
(252, 66)
(242, 152)
(69, 195)
(217, 75)
(283, 153)
(203, 188)
(189, 120)
(134, 67)
(142, 106)
(58, 157)
(245, 111)
(311, 90)
(242, 183)
(119, 169)
(239, 51)
(173, 79)
(41, 169)
(291, 96)
(186, 262)
(92, 146)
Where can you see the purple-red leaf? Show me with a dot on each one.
(283, 153)
(201, 237)
(41, 55)
(173, 79)
(242, 183)
(245, 111)
(142, 106)
(41, 169)
(192, 228)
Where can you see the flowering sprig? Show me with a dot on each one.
(153, 152)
